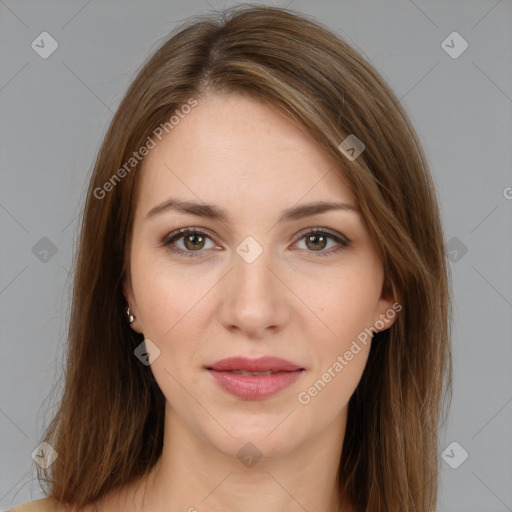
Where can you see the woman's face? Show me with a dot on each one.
(254, 283)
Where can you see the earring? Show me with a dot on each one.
(131, 318)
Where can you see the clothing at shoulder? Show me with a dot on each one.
(42, 505)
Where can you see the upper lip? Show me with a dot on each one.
(262, 364)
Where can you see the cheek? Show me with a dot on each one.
(340, 351)
(330, 390)
(167, 295)
(343, 304)
(349, 311)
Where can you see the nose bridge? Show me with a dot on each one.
(255, 299)
(252, 269)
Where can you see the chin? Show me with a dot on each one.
(255, 437)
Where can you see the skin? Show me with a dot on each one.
(251, 160)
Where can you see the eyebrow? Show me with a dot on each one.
(214, 212)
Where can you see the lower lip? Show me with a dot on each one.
(254, 387)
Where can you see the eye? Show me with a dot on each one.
(316, 241)
(194, 240)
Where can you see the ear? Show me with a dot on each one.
(136, 325)
(386, 312)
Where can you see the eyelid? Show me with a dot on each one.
(181, 232)
(298, 236)
(315, 229)
(177, 234)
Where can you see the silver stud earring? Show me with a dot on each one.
(131, 318)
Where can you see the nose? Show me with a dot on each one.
(255, 297)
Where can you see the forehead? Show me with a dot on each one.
(238, 150)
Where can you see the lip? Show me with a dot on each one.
(262, 364)
(254, 387)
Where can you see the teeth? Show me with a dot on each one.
(241, 372)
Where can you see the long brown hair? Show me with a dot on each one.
(108, 430)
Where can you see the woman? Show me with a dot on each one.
(261, 302)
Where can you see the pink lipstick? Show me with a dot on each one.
(254, 379)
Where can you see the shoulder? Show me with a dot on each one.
(42, 505)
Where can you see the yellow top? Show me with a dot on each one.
(42, 505)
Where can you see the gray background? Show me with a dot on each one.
(55, 111)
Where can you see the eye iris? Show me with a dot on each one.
(196, 236)
(315, 237)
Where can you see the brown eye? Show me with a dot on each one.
(194, 241)
(316, 242)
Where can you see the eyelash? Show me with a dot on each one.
(180, 233)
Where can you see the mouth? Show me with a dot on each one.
(241, 372)
(254, 379)
(259, 365)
